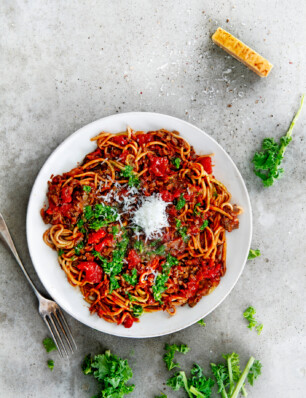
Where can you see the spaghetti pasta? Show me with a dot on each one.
(120, 268)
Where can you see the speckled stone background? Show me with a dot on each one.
(65, 64)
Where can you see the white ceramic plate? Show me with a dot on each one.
(72, 151)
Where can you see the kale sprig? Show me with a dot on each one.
(253, 254)
(111, 372)
(197, 385)
(249, 315)
(169, 355)
(230, 379)
(267, 162)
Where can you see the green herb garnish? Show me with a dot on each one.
(131, 298)
(182, 231)
(60, 252)
(267, 162)
(204, 225)
(137, 310)
(113, 283)
(114, 267)
(176, 162)
(80, 224)
(131, 279)
(162, 278)
(127, 172)
(49, 344)
(88, 212)
(181, 202)
(160, 251)
(86, 188)
(249, 315)
(97, 254)
(253, 254)
(50, 364)
(201, 322)
(139, 246)
(115, 230)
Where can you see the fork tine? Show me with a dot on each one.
(63, 330)
(60, 339)
(67, 328)
(53, 335)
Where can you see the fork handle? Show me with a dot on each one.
(6, 238)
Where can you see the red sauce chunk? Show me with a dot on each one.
(144, 138)
(206, 163)
(107, 241)
(94, 155)
(95, 237)
(120, 140)
(66, 193)
(65, 210)
(167, 196)
(93, 272)
(133, 258)
(159, 166)
(128, 322)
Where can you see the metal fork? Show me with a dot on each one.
(48, 309)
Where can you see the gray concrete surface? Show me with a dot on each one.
(65, 64)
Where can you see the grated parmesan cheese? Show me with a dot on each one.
(151, 216)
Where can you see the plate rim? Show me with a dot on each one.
(122, 115)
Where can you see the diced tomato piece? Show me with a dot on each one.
(187, 196)
(66, 193)
(159, 166)
(52, 208)
(177, 193)
(65, 210)
(93, 272)
(167, 196)
(128, 322)
(192, 287)
(206, 163)
(144, 138)
(133, 259)
(95, 237)
(107, 241)
(120, 140)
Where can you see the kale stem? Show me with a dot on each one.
(224, 394)
(183, 374)
(242, 378)
(289, 132)
(230, 375)
(197, 393)
(244, 391)
(288, 135)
